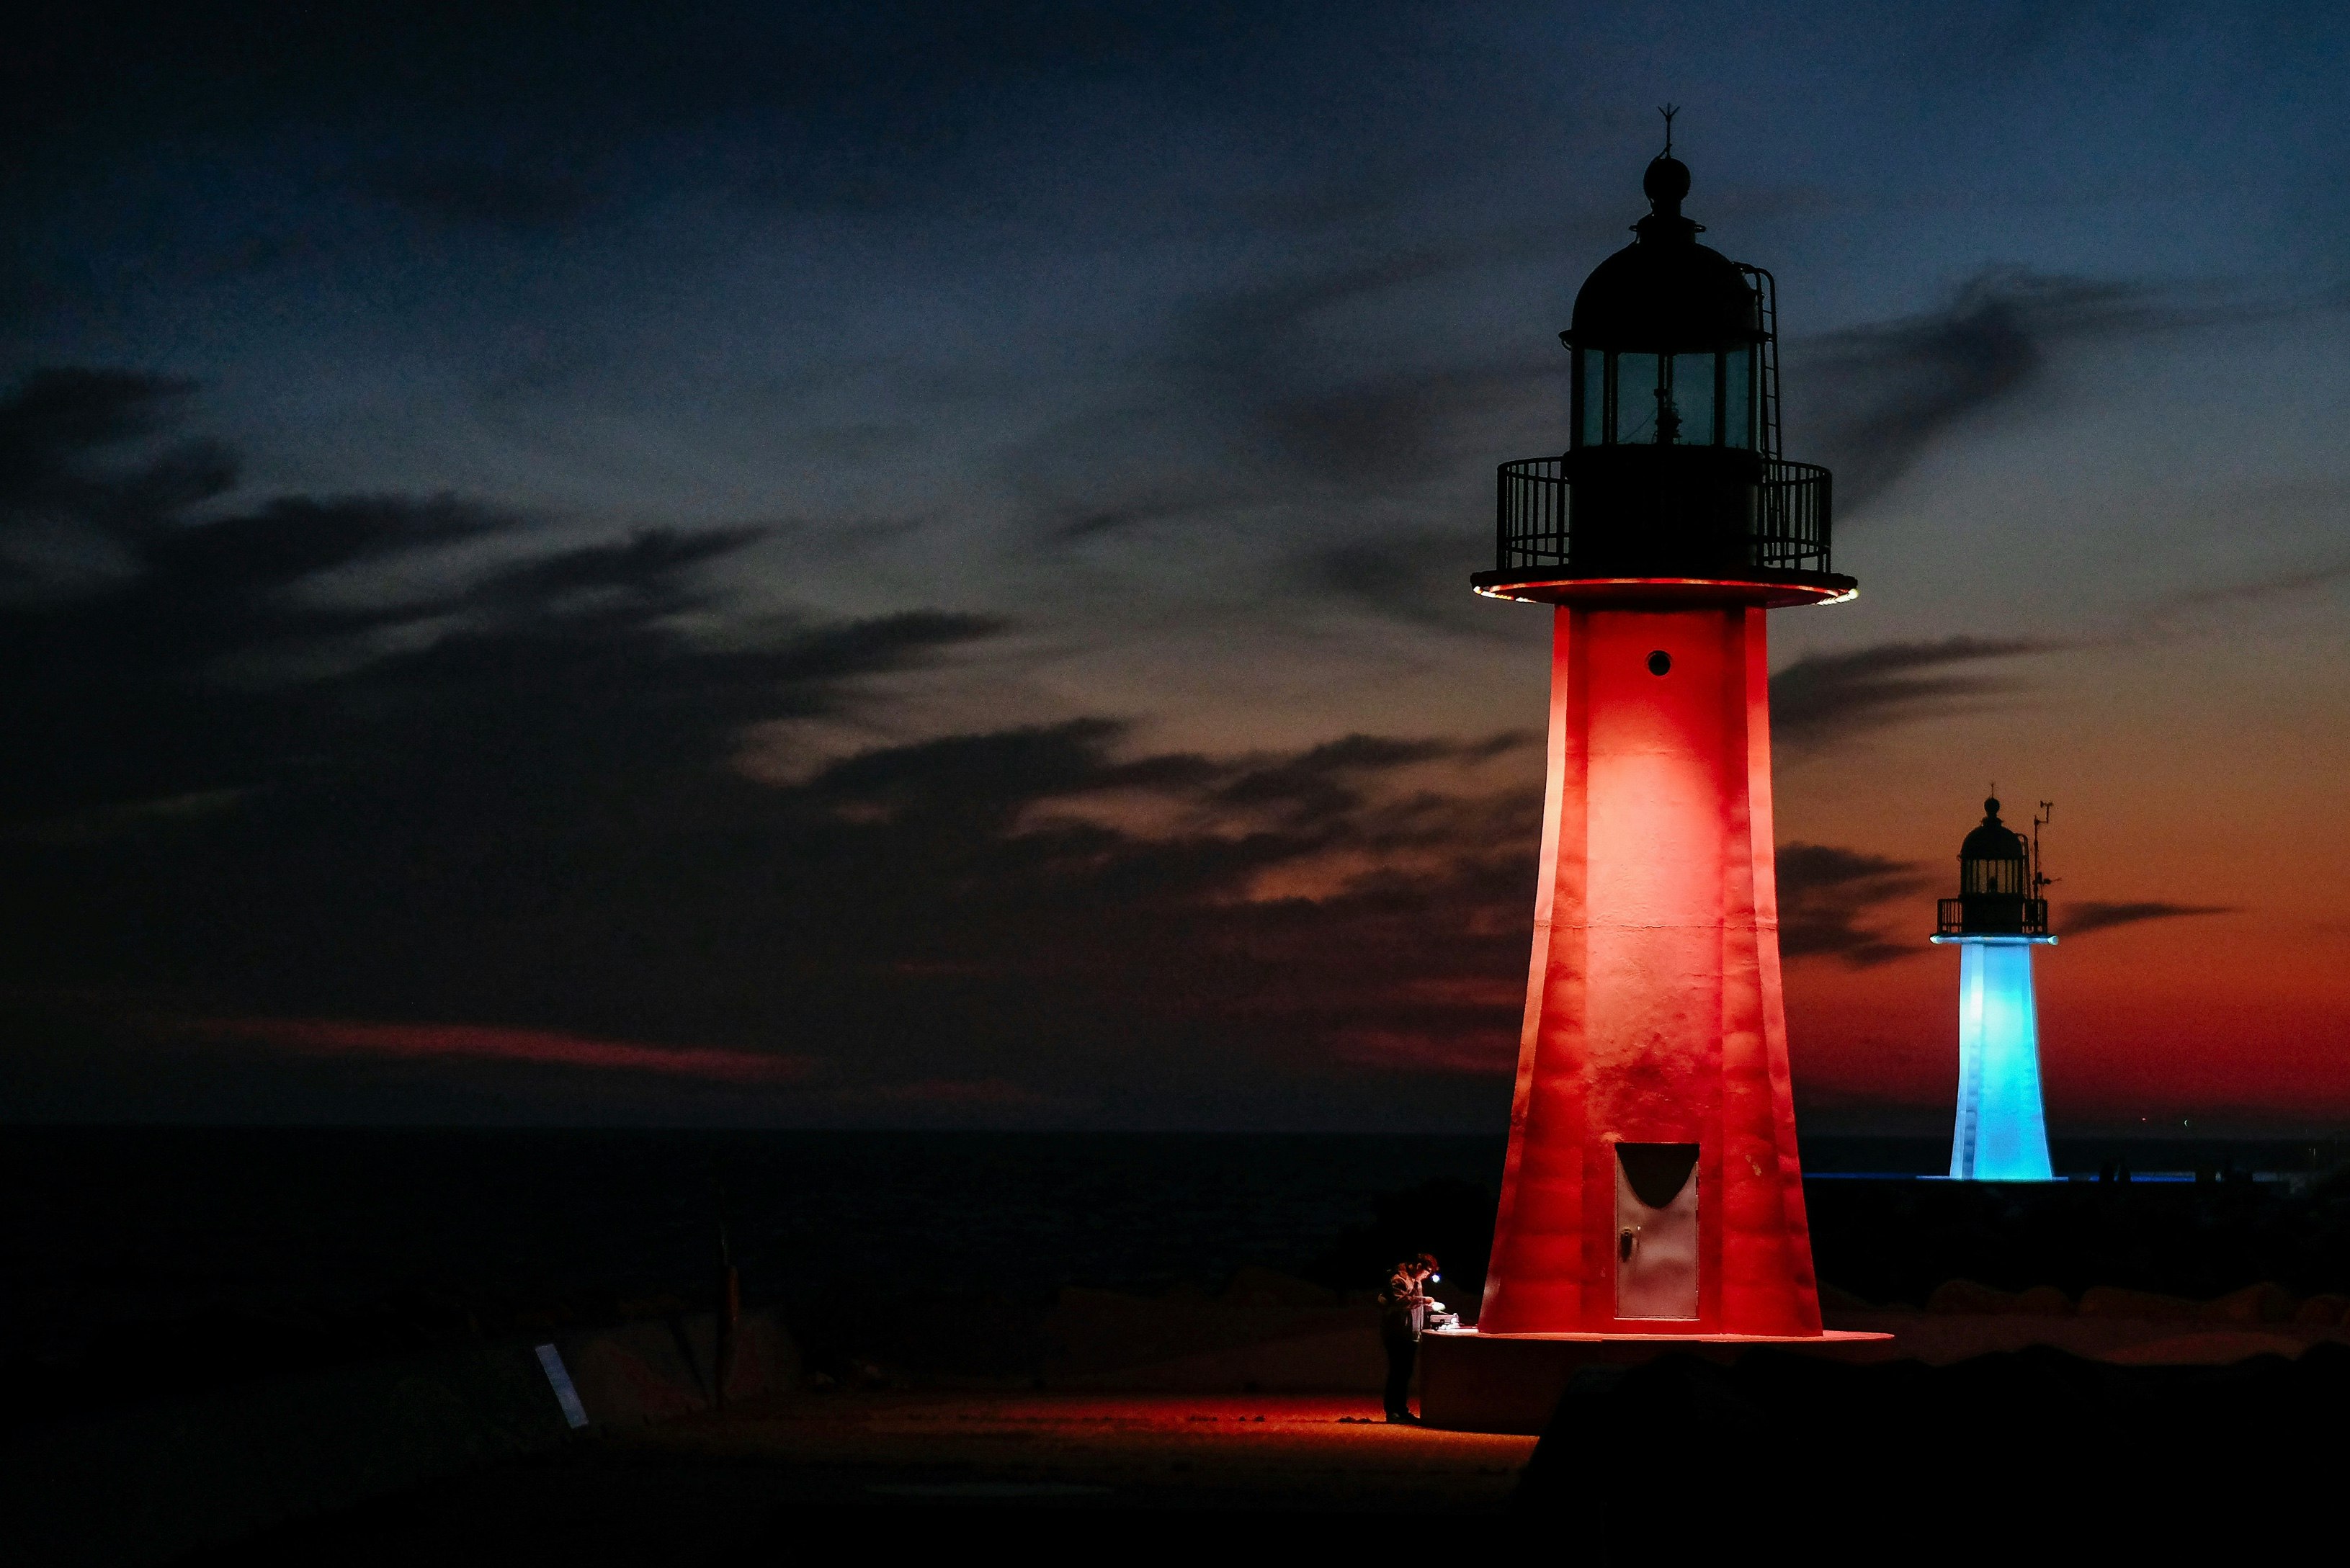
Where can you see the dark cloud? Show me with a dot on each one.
(1826, 699)
(875, 106)
(1263, 356)
(1887, 393)
(1382, 431)
(1825, 893)
(1328, 783)
(195, 669)
(1101, 505)
(60, 518)
(61, 413)
(486, 195)
(2253, 592)
(503, 812)
(1271, 408)
(1420, 578)
(1113, 471)
(1265, 328)
(2091, 915)
(341, 1037)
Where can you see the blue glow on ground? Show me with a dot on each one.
(2002, 1134)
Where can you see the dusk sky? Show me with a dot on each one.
(907, 565)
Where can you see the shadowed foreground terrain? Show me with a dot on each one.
(2039, 1440)
(2031, 1445)
(1004, 1332)
(925, 1467)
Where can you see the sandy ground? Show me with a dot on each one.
(1058, 1469)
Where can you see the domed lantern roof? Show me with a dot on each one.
(1994, 840)
(1665, 293)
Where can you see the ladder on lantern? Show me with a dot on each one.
(1766, 295)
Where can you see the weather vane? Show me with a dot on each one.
(1669, 111)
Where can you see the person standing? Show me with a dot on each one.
(1403, 1314)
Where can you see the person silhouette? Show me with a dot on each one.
(1403, 1315)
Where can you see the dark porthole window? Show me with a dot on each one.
(1659, 662)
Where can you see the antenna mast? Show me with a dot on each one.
(2039, 820)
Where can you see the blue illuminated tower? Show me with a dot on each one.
(1996, 920)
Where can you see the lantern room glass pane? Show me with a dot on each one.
(1738, 398)
(2004, 876)
(1692, 399)
(1636, 393)
(1592, 378)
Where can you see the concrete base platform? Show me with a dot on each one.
(1471, 1382)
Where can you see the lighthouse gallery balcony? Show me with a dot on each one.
(1681, 514)
(1970, 917)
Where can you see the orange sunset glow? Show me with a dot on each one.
(930, 601)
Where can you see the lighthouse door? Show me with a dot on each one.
(1656, 1230)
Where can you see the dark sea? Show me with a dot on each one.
(297, 1246)
(103, 1229)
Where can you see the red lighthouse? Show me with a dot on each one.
(1652, 1186)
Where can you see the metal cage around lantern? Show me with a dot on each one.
(1672, 474)
(1999, 884)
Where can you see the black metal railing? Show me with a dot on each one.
(1670, 518)
(1535, 519)
(1991, 915)
(1792, 508)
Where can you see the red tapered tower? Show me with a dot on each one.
(1652, 1184)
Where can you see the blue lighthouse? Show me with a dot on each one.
(1996, 920)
